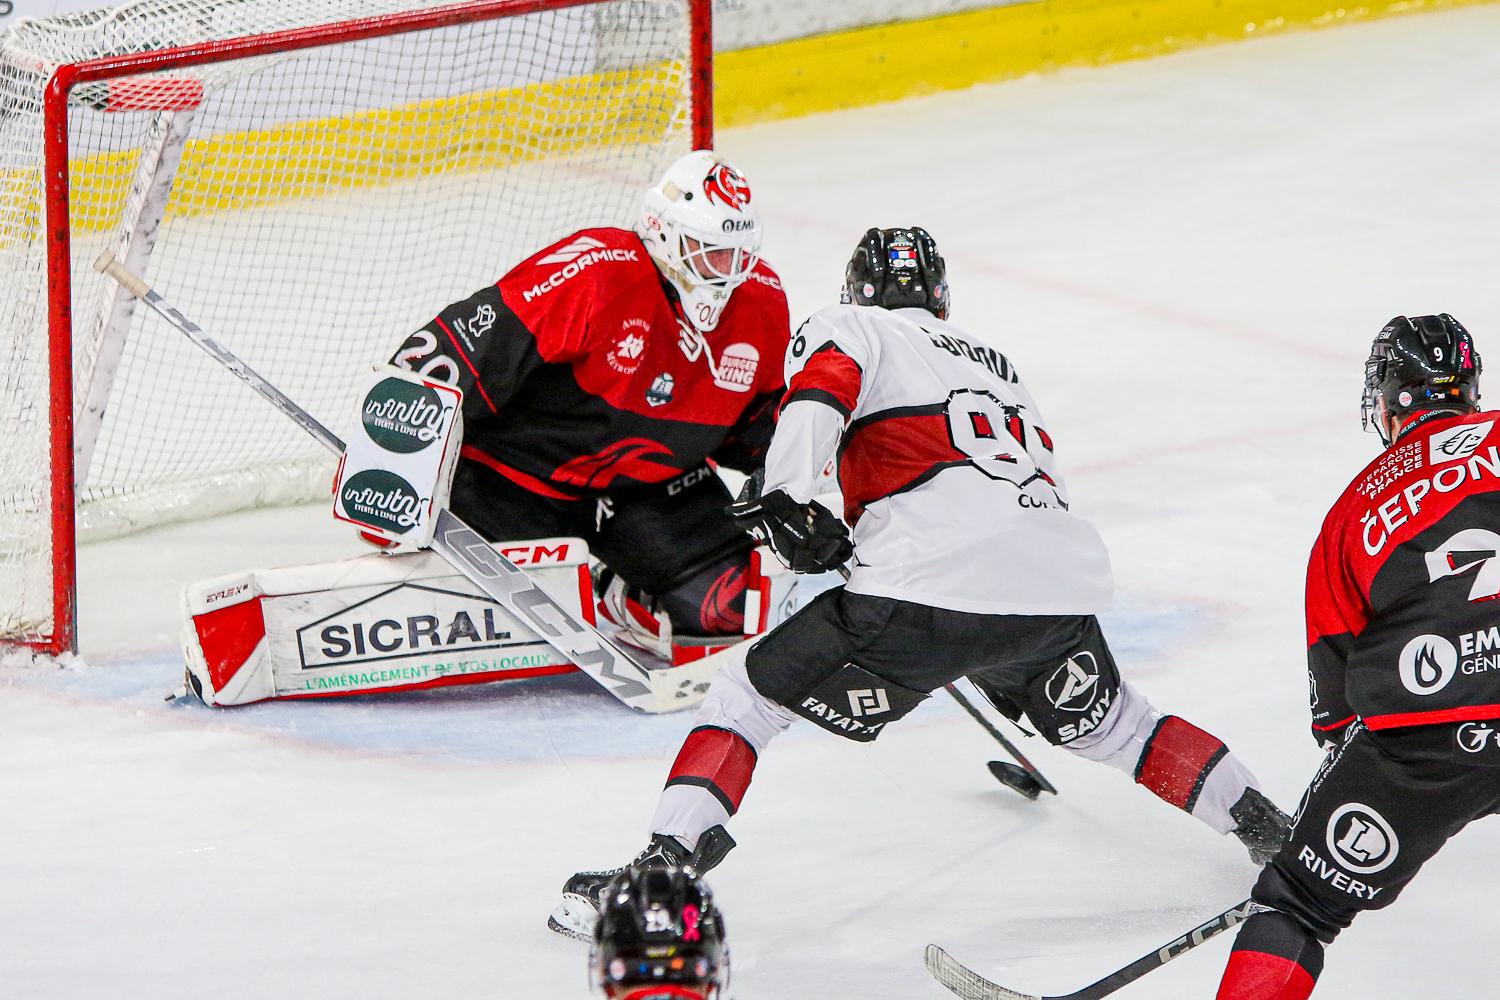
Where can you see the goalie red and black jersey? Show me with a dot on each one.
(1403, 586)
(580, 379)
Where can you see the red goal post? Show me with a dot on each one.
(142, 83)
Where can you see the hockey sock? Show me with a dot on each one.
(706, 784)
(712, 771)
(1176, 765)
(1274, 958)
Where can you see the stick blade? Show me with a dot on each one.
(1015, 776)
(963, 983)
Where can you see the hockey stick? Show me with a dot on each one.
(970, 985)
(604, 661)
(1023, 777)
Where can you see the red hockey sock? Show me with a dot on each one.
(718, 760)
(1274, 958)
(1177, 760)
(1255, 975)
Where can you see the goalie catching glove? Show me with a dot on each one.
(807, 536)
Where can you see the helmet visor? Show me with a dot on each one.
(1375, 366)
(717, 263)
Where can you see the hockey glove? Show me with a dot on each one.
(806, 536)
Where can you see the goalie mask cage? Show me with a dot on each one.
(310, 180)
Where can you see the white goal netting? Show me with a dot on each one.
(307, 208)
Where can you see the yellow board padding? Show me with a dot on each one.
(469, 132)
(886, 63)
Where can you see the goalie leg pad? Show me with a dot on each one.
(374, 623)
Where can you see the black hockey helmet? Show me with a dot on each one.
(1420, 363)
(659, 937)
(895, 268)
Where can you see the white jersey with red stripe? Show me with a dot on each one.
(950, 482)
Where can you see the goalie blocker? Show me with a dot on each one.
(409, 622)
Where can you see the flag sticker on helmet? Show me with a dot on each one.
(727, 186)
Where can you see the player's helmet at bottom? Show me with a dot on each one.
(896, 268)
(659, 937)
(1419, 363)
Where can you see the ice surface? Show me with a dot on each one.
(1186, 258)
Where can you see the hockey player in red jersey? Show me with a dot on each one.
(605, 376)
(964, 551)
(1402, 631)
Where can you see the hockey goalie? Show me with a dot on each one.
(599, 386)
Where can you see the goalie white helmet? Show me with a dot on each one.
(701, 228)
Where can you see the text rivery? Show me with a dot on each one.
(1331, 874)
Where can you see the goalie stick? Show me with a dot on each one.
(463, 547)
(970, 985)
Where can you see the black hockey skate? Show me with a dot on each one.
(579, 909)
(1262, 828)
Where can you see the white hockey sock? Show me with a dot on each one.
(1174, 759)
(713, 769)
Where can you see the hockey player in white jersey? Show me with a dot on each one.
(967, 561)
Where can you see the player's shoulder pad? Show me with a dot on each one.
(587, 263)
(837, 326)
(756, 326)
(558, 290)
(760, 301)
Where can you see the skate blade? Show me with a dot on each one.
(574, 917)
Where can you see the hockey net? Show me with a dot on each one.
(310, 180)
